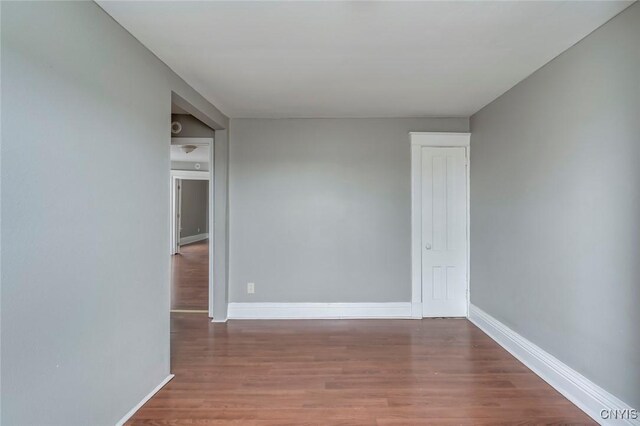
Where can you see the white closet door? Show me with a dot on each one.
(444, 232)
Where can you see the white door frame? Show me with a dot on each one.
(176, 204)
(176, 214)
(434, 140)
(197, 175)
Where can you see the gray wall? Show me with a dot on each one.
(555, 207)
(194, 207)
(85, 209)
(189, 165)
(321, 208)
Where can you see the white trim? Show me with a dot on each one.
(439, 139)
(416, 231)
(212, 203)
(193, 238)
(190, 141)
(176, 206)
(318, 310)
(416, 310)
(433, 139)
(585, 394)
(190, 174)
(439, 133)
(139, 405)
(174, 209)
(468, 225)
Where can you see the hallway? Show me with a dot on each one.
(189, 277)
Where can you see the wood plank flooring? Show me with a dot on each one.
(190, 277)
(347, 372)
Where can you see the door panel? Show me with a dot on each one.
(444, 232)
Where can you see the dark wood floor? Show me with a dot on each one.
(190, 277)
(347, 372)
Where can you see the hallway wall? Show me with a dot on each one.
(85, 214)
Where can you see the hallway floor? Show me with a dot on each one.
(190, 277)
(347, 372)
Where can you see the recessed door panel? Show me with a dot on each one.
(444, 232)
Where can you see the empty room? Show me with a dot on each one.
(319, 213)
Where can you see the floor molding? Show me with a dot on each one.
(585, 394)
(319, 310)
(193, 238)
(130, 414)
(416, 310)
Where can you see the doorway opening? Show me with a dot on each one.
(191, 223)
(190, 261)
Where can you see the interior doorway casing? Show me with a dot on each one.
(219, 234)
(197, 175)
(436, 140)
(175, 202)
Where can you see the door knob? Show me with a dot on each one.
(428, 246)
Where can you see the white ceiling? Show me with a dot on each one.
(198, 155)
(357, 59)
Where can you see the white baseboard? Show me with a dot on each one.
(585, 394)
(130, 414)
(193, 238)
(318, 310)
(416, 310)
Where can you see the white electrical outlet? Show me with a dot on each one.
(251, 288)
